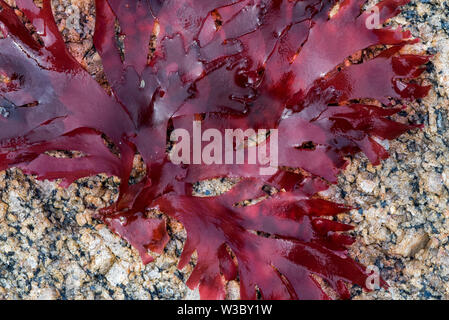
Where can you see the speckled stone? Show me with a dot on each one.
(48, 252)
(51, 248)
(402, 225)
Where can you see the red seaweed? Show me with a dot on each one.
(228, 64)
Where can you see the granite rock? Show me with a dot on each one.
(51, 248)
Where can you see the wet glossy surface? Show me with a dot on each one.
(267, 64)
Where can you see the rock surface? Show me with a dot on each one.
(51, 248)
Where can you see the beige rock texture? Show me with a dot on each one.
(51, 248)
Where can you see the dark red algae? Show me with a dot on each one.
(230, 64)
